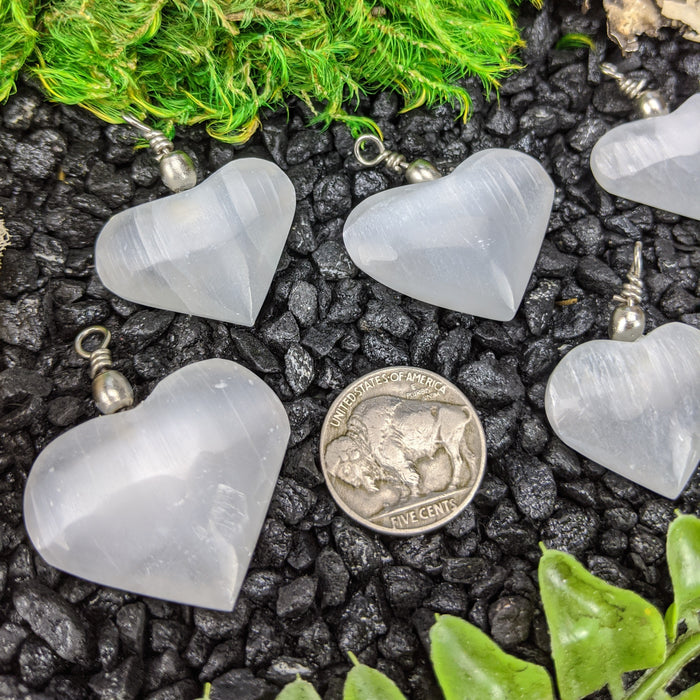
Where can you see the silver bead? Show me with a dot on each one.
(110, 389)
(176, 168)
(651, 103)
(627, 323)
(112, 392)
(648, 103)
(421, 171)
(177, 171)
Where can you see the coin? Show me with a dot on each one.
(402, 450)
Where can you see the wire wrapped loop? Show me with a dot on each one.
(631, 87)
(91, 330)
(631, 293)
(391, 159)
(160, 144)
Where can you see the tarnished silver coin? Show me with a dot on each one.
(402, 450)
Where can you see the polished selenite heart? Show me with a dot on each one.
(633, 407)
(655, 161)
(167, 499)
(210, 251)
(466, 242)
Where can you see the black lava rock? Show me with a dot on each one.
(296, 597)
(143, 327)
(333, 576)
(533, 486)
(333, 261)
(570, 530)
(55, 621)
(332, 196)
(124, 683)
(307, 143)
(539, 305)
(19, 272)
(405, 588)
(220, 625)
(303, 303)
(362, 623)
(359, 551)
(243, 685)
(36, 158)
(131, 622)
(264, 640)
(488, 382)
(112, 186)
(108, 646)
(510, 618)
(37, 663)
(282, 332)
(24, 322)
(298, 368)
(253, 352)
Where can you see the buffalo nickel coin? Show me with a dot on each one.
(402, 450)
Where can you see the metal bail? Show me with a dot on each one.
(628, 318)
(647, 103)
(418, 171)
(176, 168)
(111, 390)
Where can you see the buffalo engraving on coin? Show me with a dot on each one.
(402, 465)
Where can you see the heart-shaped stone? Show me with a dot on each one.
(633, 407)
(655, 161)
(167, 499)
(210, 251)
(467, 241)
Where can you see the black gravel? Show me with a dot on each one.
(320, 586)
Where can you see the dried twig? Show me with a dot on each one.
(4, 237)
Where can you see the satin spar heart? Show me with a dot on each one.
(210, 251)
(167, 499)
(654, 161)
(466, 242)
(633, 407)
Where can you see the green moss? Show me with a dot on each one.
(221, 62)
(17, 37)
(576, 41)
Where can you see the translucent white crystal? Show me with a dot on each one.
(210, 251)
(633, 407)
(166, 499)
(655, 161)
(466, 242)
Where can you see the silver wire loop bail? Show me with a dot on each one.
(648, 103)
(110, 389)
(628, 318)
(395, 161)
(101, 357)
(160, 144)
(418, 171)
(632, 289)
(176, 168)
(628, 86)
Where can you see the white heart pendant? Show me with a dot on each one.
(655, 161)
(633, 407)
(466, 242)
(167, 499)
(209, 251)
